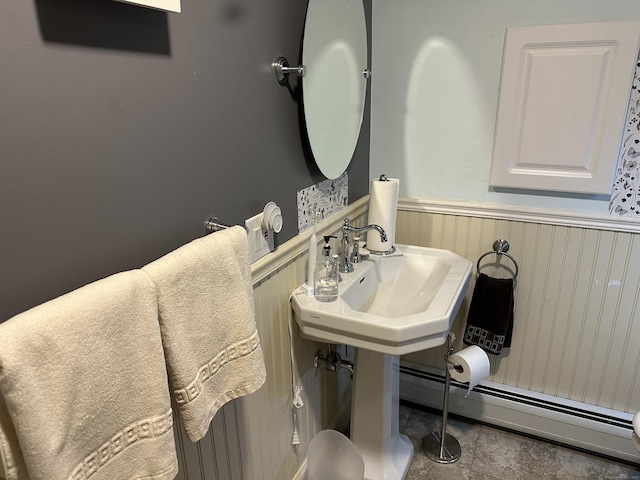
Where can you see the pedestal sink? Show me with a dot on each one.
(390, 305)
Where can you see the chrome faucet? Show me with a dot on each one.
(346, 265)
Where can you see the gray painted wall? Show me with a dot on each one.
(124, 128)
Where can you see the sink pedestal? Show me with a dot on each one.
(375, 407)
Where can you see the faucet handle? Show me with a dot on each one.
(355, 252)
(346, 265)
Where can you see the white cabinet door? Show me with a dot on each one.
(563, 100)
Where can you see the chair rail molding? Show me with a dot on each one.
(523, 214)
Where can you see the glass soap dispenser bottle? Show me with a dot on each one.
(326, 274)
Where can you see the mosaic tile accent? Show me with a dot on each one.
(625, 199)
(328, 197)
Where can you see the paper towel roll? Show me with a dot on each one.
(383, 205)
(469, 365)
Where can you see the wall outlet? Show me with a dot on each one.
(260, 238)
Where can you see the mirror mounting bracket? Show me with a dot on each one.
(281, 70)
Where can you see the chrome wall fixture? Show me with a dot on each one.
(500, 247)
(213, 225)
(281, 70)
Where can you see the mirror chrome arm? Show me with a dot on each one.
(281, 70)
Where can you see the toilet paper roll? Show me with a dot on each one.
(383, 205)
(469, 365)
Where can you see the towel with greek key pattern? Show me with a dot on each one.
(84, 388)
(207, 320)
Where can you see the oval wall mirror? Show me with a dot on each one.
(334, 55)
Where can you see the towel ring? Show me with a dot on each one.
(500, 247)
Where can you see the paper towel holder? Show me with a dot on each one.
(441, 446)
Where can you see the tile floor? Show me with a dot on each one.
(493, 454)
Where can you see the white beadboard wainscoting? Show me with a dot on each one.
(251, 438)
(572, 373)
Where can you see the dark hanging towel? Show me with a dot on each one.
(490, 319)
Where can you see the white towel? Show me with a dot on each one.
(84, 387)
(208, 327)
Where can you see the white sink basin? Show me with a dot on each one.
(393, 304)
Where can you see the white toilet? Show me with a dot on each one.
(636, 430)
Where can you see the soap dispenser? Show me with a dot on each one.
(326, 274)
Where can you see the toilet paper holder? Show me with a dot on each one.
(441, 446)
(456, 366)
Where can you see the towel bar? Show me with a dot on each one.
(212, 225)
(500, 247)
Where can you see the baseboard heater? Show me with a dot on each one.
(579, 425)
